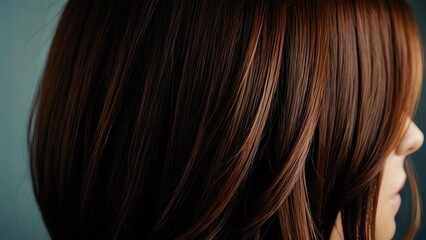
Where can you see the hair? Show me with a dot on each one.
(221, 119)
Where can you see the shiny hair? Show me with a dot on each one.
(221, 119)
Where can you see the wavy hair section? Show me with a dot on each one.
(221, 119)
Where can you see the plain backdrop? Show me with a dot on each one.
(26, 30)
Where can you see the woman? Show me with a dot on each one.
(226, 119)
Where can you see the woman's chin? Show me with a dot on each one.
(386, 230)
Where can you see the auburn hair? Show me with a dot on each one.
(221, 119)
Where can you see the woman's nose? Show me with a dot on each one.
(412, 140)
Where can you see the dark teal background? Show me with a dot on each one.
(26, 29)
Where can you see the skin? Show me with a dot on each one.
(393, 181)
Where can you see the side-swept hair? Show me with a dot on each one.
(221, 119)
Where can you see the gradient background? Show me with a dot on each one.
(26, 30)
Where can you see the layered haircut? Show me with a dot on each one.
(221, 119)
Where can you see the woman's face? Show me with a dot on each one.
(393, 181)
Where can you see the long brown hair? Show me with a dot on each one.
(221, 119)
